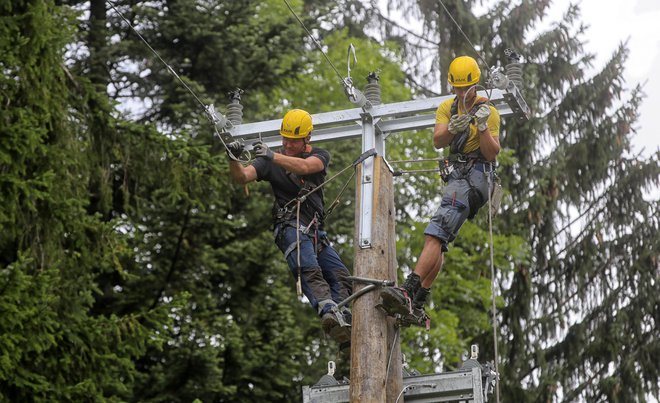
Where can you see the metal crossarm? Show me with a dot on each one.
(388, 118)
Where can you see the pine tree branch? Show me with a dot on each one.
(566, 300)
(380, 15)
(424, 90)
(572, 396)
(175, 259)
(586, 211)
(579, 236)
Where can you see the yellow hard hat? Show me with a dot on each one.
(297, 124)
(463, 72)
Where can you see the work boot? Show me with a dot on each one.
(398, 300)
(329, 321)
(420, 298)
(334, 329)
(418, 316)
(348, 316)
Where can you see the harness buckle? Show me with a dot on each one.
(446, 168)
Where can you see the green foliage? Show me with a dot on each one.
(54, 347)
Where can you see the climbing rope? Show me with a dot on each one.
(299, 279)
(360, 159)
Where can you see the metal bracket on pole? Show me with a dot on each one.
(370, 139)
(455, 386)
(223, 126)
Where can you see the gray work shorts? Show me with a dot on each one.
(458, 201)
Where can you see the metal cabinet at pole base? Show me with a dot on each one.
(473, 383)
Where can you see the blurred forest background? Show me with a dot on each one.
(132, 269)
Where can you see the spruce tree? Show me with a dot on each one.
(54, 346)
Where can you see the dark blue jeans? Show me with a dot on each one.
(323, 274)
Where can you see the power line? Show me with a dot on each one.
(464, 35)
(316, 42)
(157, 55)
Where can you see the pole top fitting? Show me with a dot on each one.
(373, 76)
(235, 95)
(512, 55)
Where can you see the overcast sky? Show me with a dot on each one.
(638, 21)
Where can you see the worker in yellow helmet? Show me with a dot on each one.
(293, 172)
(470, 127)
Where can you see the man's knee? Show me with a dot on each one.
(435, 242)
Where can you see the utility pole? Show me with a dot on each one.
(376, 374)
(375, 354)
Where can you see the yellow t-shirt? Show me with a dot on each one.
(443, 114)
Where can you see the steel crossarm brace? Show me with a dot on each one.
(371, 285)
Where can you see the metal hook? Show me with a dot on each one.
(351, 49)
(331, 368)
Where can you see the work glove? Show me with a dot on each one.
(261, 150)
(481, 116)
(234, 150)
(458, 124)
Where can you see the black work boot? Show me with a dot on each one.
(417, 316)
(420, 298)
(399, 299)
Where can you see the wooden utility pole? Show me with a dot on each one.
(373, 346)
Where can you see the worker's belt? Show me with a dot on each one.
(281, 214)
(464, 163)
(484, 166)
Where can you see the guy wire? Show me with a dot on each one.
(171, 70)
(157, 55)
(464, 35)
(318, 45)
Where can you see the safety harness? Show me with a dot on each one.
(464, 162)
(458, 142)
(289, 214)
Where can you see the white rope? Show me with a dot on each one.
(299, 281)
(492, 283)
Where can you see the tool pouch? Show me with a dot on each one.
(496, 196)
